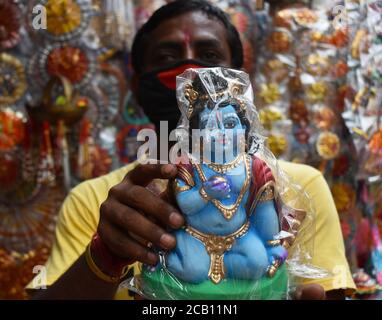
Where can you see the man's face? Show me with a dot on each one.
(192, 35)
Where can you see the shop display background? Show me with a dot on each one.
(317, 75)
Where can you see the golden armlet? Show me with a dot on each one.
(177, 188)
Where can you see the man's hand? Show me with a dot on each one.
(132, 216)
(317, 292)
(309, 292)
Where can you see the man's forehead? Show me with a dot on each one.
(191, 26)
(187, 37)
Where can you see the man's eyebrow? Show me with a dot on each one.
(208, 43)
(177, 45)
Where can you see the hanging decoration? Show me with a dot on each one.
(10, 24)
(65, 19)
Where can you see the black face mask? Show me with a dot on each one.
(157, 92)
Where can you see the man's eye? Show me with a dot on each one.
(165, 57)
(211, 56)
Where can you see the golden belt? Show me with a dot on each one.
(216, 246)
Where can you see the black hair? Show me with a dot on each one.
(220, 84)
(176, 8)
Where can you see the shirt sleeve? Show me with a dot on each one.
(327, 242)
(75, 226)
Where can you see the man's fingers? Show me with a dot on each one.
(310, 292)
(138, 225)
(168, 195)
(124, 246)
(145, 173)
(143, 200)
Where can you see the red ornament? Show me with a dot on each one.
(341, 166)
(340, 38)
(298, 111)
(240, 21)
(340, 69)
(375, 143)
(69, 62)
(12, 129)
(346, 229)
(8, 171)
(10, 16)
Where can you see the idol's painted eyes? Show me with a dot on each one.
(230, 123)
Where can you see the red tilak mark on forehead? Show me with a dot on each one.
(219, 117)
(187, 37)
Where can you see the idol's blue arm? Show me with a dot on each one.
(190, 201)
(266, 222)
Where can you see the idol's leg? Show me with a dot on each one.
(248, 258)
(189, 261)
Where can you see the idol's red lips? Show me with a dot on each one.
(221, 139)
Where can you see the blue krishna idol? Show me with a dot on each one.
(235, 241)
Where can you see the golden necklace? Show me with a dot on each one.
(229, 210)
(223, 168)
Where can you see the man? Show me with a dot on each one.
(113, 218)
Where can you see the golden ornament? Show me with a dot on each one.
(317, 65)
(277, 144)
(328, 145)
(344, 196)
(324, 118)
(12, 79)
(268, 116)
(270, 93)
(305, 17)
(63, 16)
(317, 91)
(279, 42)
(276, 70)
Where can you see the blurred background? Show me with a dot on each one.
(67, 112)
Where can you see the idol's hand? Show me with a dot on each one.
(132, 217)
(277, 253)
(217, 187)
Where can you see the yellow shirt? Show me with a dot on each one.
(79, 216)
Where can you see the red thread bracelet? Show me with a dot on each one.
(110, 262)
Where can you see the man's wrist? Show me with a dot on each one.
(105, 260)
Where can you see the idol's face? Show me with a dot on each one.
(222, 132)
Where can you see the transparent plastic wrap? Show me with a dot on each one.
(249, 230)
